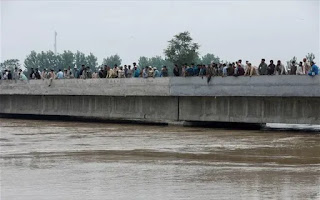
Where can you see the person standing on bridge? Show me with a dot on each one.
(279, 70)
(184, 70)
(164, 71)
(293, 68)
(52, 76)
(82, 72)
(22, 76)
(121, 73)
(263, 68)
(271, 68)
(105, 71)
(150, 71)
(156, 73)
(195, 69)
(100, 72)
(243, 66)
(44, 74)
(251, 70)
(16, 74)
(314, 69)
(145, 72)
(230, 69)
(76, 72)
(176, 70)
(60, 74)
(300, 69)
(239, 70)
(109, 72)
(9, 75)
(306, 66)
(129, 72)
(70, 73)
(203, 70)
(136, 70)
(32, 75)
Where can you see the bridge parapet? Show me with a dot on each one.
(269, 86)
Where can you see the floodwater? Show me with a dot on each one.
(76, 160)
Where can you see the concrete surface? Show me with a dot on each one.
(122, 108)
(251, 109)
(263, 99)
(174, 86)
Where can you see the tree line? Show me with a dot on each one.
(180, 50)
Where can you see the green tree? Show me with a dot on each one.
(65, 60)
(209, 58)
(47, 60)
(143, 62)
(51, 61)
(42, 60)
(169, 65)
(112, 60)
(310, 57)
(181, 49)
(31, 61)
(157, 62)
(10, 64)
(91, 61)
(80, 59)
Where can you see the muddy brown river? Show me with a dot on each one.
(53, 160)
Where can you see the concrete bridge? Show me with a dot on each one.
(260, 99)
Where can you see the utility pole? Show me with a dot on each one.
(55, 42)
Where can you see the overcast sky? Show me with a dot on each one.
(248, 30)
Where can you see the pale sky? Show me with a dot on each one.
(232, 30)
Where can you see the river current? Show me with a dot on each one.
(77, 160)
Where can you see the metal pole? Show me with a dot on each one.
(55, 43)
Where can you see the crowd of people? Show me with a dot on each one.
(210, 70)
(239, 69)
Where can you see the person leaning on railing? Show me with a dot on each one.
(279, 70)
(250, 70)
(314, 69)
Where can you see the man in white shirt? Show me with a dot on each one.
(305, 66)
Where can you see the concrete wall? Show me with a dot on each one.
(290, 110)
(123, 108)
(263, 99)
(98, 87)
(281, 86)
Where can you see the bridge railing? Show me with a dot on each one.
(286, 86)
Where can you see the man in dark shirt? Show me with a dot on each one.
(293, 68)
(9, 75)
(82, 70)
(271, 68)
(37, 74)
(101, 71)
(164, 71)
(239, 70)
(105, 71)
(176, 70)
(230, 70)
(31, 75)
